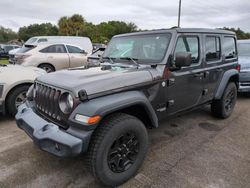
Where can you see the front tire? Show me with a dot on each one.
(117, 149)
(16, 98)
(223, 108)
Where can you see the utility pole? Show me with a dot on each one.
(179, 14)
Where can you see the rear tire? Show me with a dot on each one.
(47, 67)
(16, 98)
(223, 108)
(117, 149)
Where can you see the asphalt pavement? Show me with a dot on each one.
(191, 150)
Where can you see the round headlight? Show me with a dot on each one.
(66, 103)
(70, 101)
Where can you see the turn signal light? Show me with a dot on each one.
(86, 119)
(94, 119)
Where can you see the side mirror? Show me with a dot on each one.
(84, 52)
(183, 59)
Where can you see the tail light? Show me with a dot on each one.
(238, 67)
(21, 58)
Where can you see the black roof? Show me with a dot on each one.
(181, 30)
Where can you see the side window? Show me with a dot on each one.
(189, 44)
(74, 49)
(54, 49)
(229, 46)
(213, 48)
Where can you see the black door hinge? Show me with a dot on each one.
(170, 103)
(205, 91)
(171, 81)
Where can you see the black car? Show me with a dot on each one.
(146, 77)
(5, 48)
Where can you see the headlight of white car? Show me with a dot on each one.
(1, 90)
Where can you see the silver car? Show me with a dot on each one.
(52, 57)
(244, 61)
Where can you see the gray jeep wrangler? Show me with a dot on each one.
(144, 77)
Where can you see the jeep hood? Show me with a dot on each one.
(96, 80)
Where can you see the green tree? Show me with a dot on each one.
(76, 25)
(106, 30)
(239, 33)
(44, 29)
(7, 34)
(73, 26)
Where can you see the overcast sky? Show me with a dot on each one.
(146, 14)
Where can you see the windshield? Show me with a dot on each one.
(244, 49)
(25, 49)
(31, 40)
(148, 47)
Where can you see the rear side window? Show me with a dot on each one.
(54, 49)
(213, 49)
(229, 46)
(189, 44)
(25, 49)
(74, 49)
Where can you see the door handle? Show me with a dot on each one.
(219, 69)
(50, 57)
(206, 74)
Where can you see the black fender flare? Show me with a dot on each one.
(106, 105)
(224, 81)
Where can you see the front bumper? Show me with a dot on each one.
(49, 137)
(244, 82)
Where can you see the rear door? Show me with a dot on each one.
(57, 56)
(185, 86)
(213, 64)
(76, 56)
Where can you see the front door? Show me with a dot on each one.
(77, 57)
(57, 56)
(185, 86)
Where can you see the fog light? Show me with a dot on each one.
(86, 119)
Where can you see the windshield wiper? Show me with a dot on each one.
(134, 60)
(110, 59)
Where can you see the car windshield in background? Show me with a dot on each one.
(244, 49)
(148, 47)
(31, 40)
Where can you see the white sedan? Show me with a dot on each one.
(15, 81)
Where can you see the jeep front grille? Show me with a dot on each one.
(47, 104)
